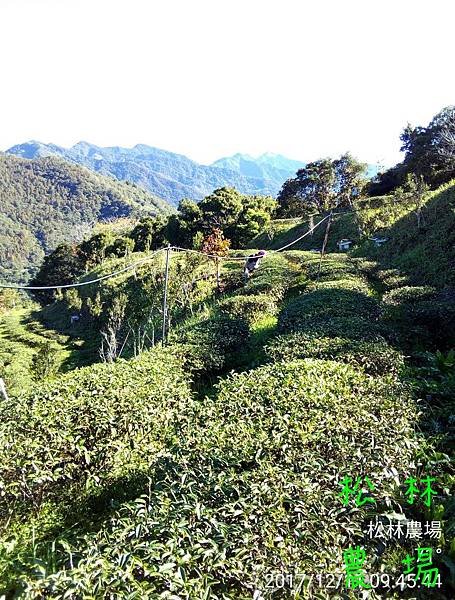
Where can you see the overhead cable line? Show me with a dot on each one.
(242, 258)
(81, 283)
(168, 248)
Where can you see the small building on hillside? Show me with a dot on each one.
(344, 245)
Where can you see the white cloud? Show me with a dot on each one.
(212, 77)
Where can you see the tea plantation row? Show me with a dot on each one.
(125, 481)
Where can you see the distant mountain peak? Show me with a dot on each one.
(169, 175)
(269, 166)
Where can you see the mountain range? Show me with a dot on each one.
(172, 176)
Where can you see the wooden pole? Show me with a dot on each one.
(166, 281)
(217, 261)
(326, 237)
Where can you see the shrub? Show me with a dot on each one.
(248, 489)
(354, 284)
(87, 426)
(325, 303)
(333, 266)
(408, 295)
(248, 308)
(10, 299)
(213, 343)
(364, 265)
(45, 361)
(392, 278)
(275, 270)
(432, 321)
(421, 316)
(350, 327)
(375, 358)
(274, 290)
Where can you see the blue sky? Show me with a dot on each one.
(208, 78)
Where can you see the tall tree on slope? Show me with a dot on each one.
(321, 186)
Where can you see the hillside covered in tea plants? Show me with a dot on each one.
(205, 467)
(171, 428)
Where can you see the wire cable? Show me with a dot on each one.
(243, 258)
(81, 283)
(177, 248)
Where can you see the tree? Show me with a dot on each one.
(73, 300)
(429, 153)
(312, 189)
(322, 186)
(9, 299)
(216, 245)
(149, 234)
(61, 267)
(221, 209)
(238, 216)
(93, 250)
(351, 183)
(183, 226)
(350, 180)
(255, 217)
(428, 149)
(387, 181)
(446, 138)
(414, 193)
(110, 347)
(121, 247)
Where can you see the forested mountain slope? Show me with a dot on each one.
(48, 201)
(166, 174)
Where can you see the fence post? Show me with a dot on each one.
(166, 280)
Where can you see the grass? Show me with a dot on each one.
(21, 336)
(425, 255)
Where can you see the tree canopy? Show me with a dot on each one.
(322, 185)
(226, 213)
(429, 153)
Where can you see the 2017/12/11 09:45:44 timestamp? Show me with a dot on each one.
(304, 581)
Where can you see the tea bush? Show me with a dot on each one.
(408, 295)
(274, 270)
(421, 316)
(276, 290)
(246, 491)
(375, 358)
(212, 343)
(392, 278)
(248, 308)
(332, 266)
(325, 303)
(87, 427)
(354, 284)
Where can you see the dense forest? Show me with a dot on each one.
(48, 201)
(189, 428)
